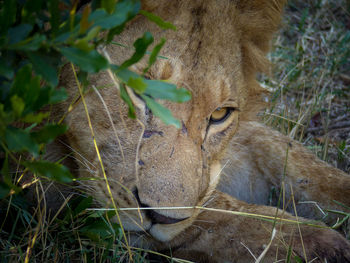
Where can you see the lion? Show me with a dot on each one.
(216, 170)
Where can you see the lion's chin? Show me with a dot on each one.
(166, 232)
(160, 232)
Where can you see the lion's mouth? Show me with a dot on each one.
(161, 227)
(157, 218)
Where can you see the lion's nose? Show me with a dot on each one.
(155, 217)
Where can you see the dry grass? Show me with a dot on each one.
(311, 95)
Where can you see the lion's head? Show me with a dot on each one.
(217, 50)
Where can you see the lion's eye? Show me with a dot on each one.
(220, 115)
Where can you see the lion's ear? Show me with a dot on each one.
(258, 20)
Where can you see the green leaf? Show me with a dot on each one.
(92, 33)
(19, 140)
(30, 44)
(43, 98)
(298, 259)
(160, 111)
(289, 254)
(83, 204)
(138, 84)
(7, 15)
(154, 54)
(54, 15)
(63, 36)
(26, 87)
(155, 88)
(85, 43)
(43, 67)
(114, 31)
(49, 132)
(58, 95)
(141, 45)
(99, 230)
(159, 89)
(4, 190)
(19, 33)
(53, 171)
(130, 78)
(5, 119)
(6, 186)
(90, 61)
(35, 118)
(108, 5)
(124, 74)
(48, 95)
(20, 84)
(159, 21)
(125, 96)
(17, 105)
(124, 11)
(5, 68)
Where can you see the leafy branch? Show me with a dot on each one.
(36, 39)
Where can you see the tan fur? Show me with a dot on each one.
(218, 48)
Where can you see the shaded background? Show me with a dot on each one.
(310, 83)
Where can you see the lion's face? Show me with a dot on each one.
(148, 163)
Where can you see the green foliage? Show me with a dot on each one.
(36, 39)
(58, 238)
(150, 90)
(89, 61)
(158, 20)
(160, 111)
(18, 140)
(154, 54)
(141, 46)
(164, 90)
(125, 96)
(53, 171)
